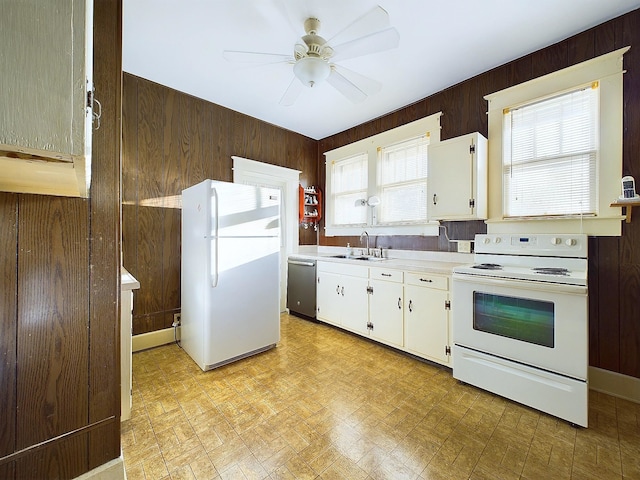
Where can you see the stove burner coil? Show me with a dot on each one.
(488, 266)
(551, 271)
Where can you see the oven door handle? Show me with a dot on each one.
(522, 284)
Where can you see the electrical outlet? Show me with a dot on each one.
(464, 246)
(176, 320)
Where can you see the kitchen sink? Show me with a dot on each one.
(366, 258)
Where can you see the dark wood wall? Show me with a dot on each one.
(171, 141)
(59, 308)
(614, 263)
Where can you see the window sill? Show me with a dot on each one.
(609, 226)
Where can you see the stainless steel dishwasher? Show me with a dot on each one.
(301, 287)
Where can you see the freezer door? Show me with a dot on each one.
(244, 210)
(240, 212)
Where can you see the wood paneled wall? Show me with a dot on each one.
(59, 309)
(171, 141)
(614, 263)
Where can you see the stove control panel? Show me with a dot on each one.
(541, 244)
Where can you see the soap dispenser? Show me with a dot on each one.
(349, 251)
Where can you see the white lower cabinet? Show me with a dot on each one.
(355, 308)
(426, 317)
(341, 295)
(386, 306)
(328, 300)
(406, 310)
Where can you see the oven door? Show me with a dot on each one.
(539, 324)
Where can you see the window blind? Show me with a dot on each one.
(402, 179)
(550, 156)
(349, 182)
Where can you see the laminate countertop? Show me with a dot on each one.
(408, 260)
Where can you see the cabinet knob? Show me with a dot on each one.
(399, 303)
(411, 305)
(435, 202)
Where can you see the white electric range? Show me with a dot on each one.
(520, 321)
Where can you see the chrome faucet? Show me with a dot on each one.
(367, 235)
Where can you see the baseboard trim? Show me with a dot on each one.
(113, 470)
(614, 384)
(144, 341)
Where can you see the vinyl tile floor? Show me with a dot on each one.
(326, 404)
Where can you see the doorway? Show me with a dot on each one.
(285, 180)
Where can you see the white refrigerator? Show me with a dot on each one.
(230, 275)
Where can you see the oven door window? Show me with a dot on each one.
(524, 319)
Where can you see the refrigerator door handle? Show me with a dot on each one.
(212, 219)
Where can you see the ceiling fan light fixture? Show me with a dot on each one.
(311, 70)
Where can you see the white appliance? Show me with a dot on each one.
(230, 271)
(520, 321)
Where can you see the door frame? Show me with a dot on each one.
(287, 180)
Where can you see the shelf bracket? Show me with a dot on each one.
(628, 206)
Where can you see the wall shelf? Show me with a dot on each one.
(310, 206)
(629, 204)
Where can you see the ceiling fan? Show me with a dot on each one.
(313, 57)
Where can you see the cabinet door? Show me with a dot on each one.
(355, 305)
(386, 308)
(328, 297)
(427, 322)
(47, 59)
(453, 178)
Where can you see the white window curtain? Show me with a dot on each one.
(349, 181)
(550, 156)
(402, 180)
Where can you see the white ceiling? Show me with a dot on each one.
(179, 43)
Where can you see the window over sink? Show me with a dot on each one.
(349, 183)
(402, 180)
(380, 183)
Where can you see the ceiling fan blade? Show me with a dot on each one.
(373, 21)
(256, 57)
(372, 43)
(292, 93)
(352, 85)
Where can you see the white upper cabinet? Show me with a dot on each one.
(46, 51)
(457, 179)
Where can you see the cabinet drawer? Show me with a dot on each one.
(343, 269)
(427, 280)
(388, 274)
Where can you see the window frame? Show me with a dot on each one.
(592, 89)
(607, 70)
(421, 142)
(429, 125)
